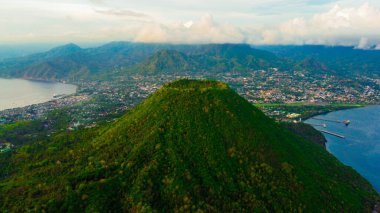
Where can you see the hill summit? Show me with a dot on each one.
(193, 146)
(63, 50)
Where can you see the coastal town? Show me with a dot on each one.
(284, 96)
(268, 89)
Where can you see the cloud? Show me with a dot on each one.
(339, 25)
(122, 12)
(280, 22)
(204, 30)
(188, 24)
(97, 1)
(279, 7)
(319, 2)
(363, 43)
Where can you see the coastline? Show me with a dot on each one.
(336, 110)
(305, 118)
(34, 105)
(330, 111)
(44, 96)
(37, 80)
(357, 146)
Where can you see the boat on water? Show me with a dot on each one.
(347, 122)
(58, 96)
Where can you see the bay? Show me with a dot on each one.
(361, 147)
(19, 93)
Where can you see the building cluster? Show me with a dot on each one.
(105, 100)
(271, 86)
(37, 111)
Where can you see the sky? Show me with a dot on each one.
(329, 22)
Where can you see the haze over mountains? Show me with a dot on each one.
(191, 146)
(342, 60)
(70, 62)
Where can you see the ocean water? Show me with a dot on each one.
(361, 147)
(19, 93)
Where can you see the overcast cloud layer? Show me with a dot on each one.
(344, 22)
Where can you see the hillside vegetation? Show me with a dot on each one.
(193, 146)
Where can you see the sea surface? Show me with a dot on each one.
(361, 147)
(19, 93)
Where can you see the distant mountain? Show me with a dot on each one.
(213, 58)
(63, 51)
(193, 146)
(72, 62)
(346, 61)
(315, 66)
(49, 65)
(166, 61)
(235, 57)
(240, 52)
(20, 50)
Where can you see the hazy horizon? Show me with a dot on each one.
(328, 22)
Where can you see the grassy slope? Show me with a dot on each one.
(190, 146)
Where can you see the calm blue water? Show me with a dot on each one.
(361, 147)
(19, 93)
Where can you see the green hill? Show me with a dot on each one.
(191, 146)
(165, 61)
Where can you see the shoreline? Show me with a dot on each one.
(44, 101)
(339, 147)
(36, 104)
(38, 80)
(325, 113)
(341, 109)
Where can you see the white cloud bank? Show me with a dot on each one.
(345, 26)
(204, 30)
(74, 21)
(338, 26)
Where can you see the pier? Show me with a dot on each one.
(333, 134)
(322, 125)
(346, 122)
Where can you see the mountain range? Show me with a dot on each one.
(193, 146)
(341, 60)
(70, 62)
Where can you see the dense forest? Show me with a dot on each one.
(193, 146)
